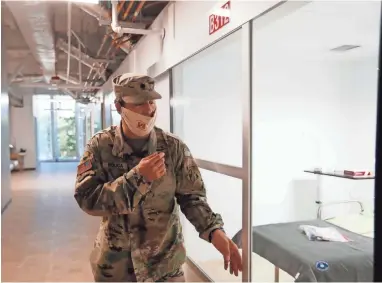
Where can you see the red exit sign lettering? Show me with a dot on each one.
(220, 18)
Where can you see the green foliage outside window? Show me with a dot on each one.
(67, 137)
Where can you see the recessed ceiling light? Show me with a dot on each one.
(343, 48)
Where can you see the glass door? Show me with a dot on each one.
(88, 127)
(44, 121)
(82, 112)
(65, 128)
(96, 118)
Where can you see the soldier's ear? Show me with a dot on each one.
(118, 106)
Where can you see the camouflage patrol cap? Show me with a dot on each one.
(133, 88)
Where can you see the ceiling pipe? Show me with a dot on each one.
(120, 30)
(131, 3)
(78, 39)
(69, 79)
(98, 53)
(80, 65)
(56, 86)
(68, 92)
(138, 10)
(18, 70)
(69, 33)
(124, 24)
(32, 79)
(81, 57)
(120, 6)
(107, 53)
(80, 44)
(75, 53)
(103, 17)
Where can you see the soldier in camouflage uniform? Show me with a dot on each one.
(135, 176)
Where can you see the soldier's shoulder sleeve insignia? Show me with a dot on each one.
(186, 152)
(85, 166)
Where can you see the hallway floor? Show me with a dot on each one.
(45, 235)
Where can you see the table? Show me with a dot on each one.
(19, 156)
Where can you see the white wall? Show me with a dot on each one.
(186, 25)
(302, 119)
(187, 31)
(359, 102)
(162, 85)
(313, 108)
(23, 133)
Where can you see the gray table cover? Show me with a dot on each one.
(285, 246)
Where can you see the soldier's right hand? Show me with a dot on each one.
(152, 167)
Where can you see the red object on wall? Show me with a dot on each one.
(223, 18)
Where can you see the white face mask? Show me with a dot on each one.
(138, 124)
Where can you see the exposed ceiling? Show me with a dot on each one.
(319, 26)
(37, 42)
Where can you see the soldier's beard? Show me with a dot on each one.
(139, 125)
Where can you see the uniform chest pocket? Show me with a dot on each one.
(115, 169)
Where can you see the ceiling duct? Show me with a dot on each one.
(118, 29)
(94, 10)
(57, 86)
(101, 14)
(80, 56)
(103, 17)
(15, 100)
(34, 22)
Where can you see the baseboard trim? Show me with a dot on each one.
(198, 270)
(6, 206)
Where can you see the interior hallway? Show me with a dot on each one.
(45, 235)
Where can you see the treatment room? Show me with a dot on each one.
(299, 143)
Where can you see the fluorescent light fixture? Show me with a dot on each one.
(344, 48)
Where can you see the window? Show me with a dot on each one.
(207, 102)
(224, 194)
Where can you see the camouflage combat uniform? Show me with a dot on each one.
(140, 236)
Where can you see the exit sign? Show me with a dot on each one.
(220, 18)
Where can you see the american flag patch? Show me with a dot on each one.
(85, 166)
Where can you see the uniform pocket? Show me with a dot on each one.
(112, 266)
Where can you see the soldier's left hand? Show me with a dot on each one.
(229, 251)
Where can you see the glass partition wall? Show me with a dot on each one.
(208, 113)
(293, 91)
(314, 94)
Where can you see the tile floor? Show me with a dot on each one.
(45, 236)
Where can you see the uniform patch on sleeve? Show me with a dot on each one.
(187, 153)
(85, 166)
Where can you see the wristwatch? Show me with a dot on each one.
(211, 233)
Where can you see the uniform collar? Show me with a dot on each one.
(120, 147)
